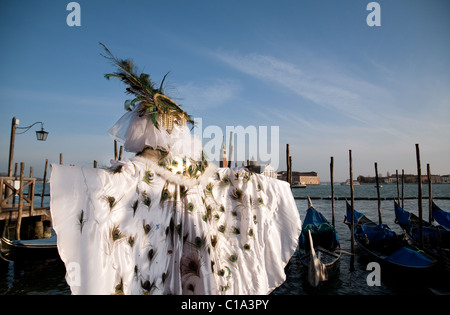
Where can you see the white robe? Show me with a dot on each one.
(146, 230)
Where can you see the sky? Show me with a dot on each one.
(315, 69)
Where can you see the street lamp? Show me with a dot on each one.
(41, 135)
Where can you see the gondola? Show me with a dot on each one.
(12, 249)
(388, 248)
(436, 238)
(324, 239)
(442, 217)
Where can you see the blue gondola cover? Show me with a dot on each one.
(410, 258)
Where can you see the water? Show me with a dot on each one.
(47, 276)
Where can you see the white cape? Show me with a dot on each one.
(144, 230)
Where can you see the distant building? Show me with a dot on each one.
(266, 170)
(408, 179)
(269, 171)
(307, 178)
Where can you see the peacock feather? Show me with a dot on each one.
(214, 240)
(147, 286)
(151, 255)
(190, 207)
(152, 100)
(147, 227)
(81, 220)
(165, 194)
(199, 242)
(148, 177)
(222, 228)
(237, 194)
(233, 258)
(209, 190)
(183, 191)
(134, 206)
(118, 289)
(111, 201)
(246, 177)
(225, 181)
(115, 233)
(191, 262)
(146, 200)
(131, 240)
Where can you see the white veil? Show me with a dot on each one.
(139, 132)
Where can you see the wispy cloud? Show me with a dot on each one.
(352, 97)
(206, 96)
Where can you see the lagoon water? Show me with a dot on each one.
(48, 276)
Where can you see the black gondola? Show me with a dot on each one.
(436, 238)
(325, 242)
(386, 246)
(28, 249)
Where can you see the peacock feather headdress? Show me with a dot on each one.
(150, 100)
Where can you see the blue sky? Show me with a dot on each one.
(313, 68)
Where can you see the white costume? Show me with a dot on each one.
(167, 222)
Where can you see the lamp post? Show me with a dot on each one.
(41, 135)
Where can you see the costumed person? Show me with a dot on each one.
(166, 221)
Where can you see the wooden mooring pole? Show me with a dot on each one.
(352, 215)
(398, 189)
(419, 180)
(332, 189)
(403, 189)
(430, 195)
(20, 210)
(378, 193)
(290, 171)
(43, 184)
(288, 166)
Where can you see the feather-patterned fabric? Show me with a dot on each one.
(147, 230)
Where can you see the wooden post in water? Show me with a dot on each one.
(230, 150)
(352, 216)
(290, 171)
(30, 191)
(115, 149)
(403, 188)
(120, 152)
(332, 189)
(430, 195)
(15, 177)
(419, 180)
(378, 193)
(287, 164)
(60, 159)
(43, 184)
(95, 163)
(398, 190)
(19, 211)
